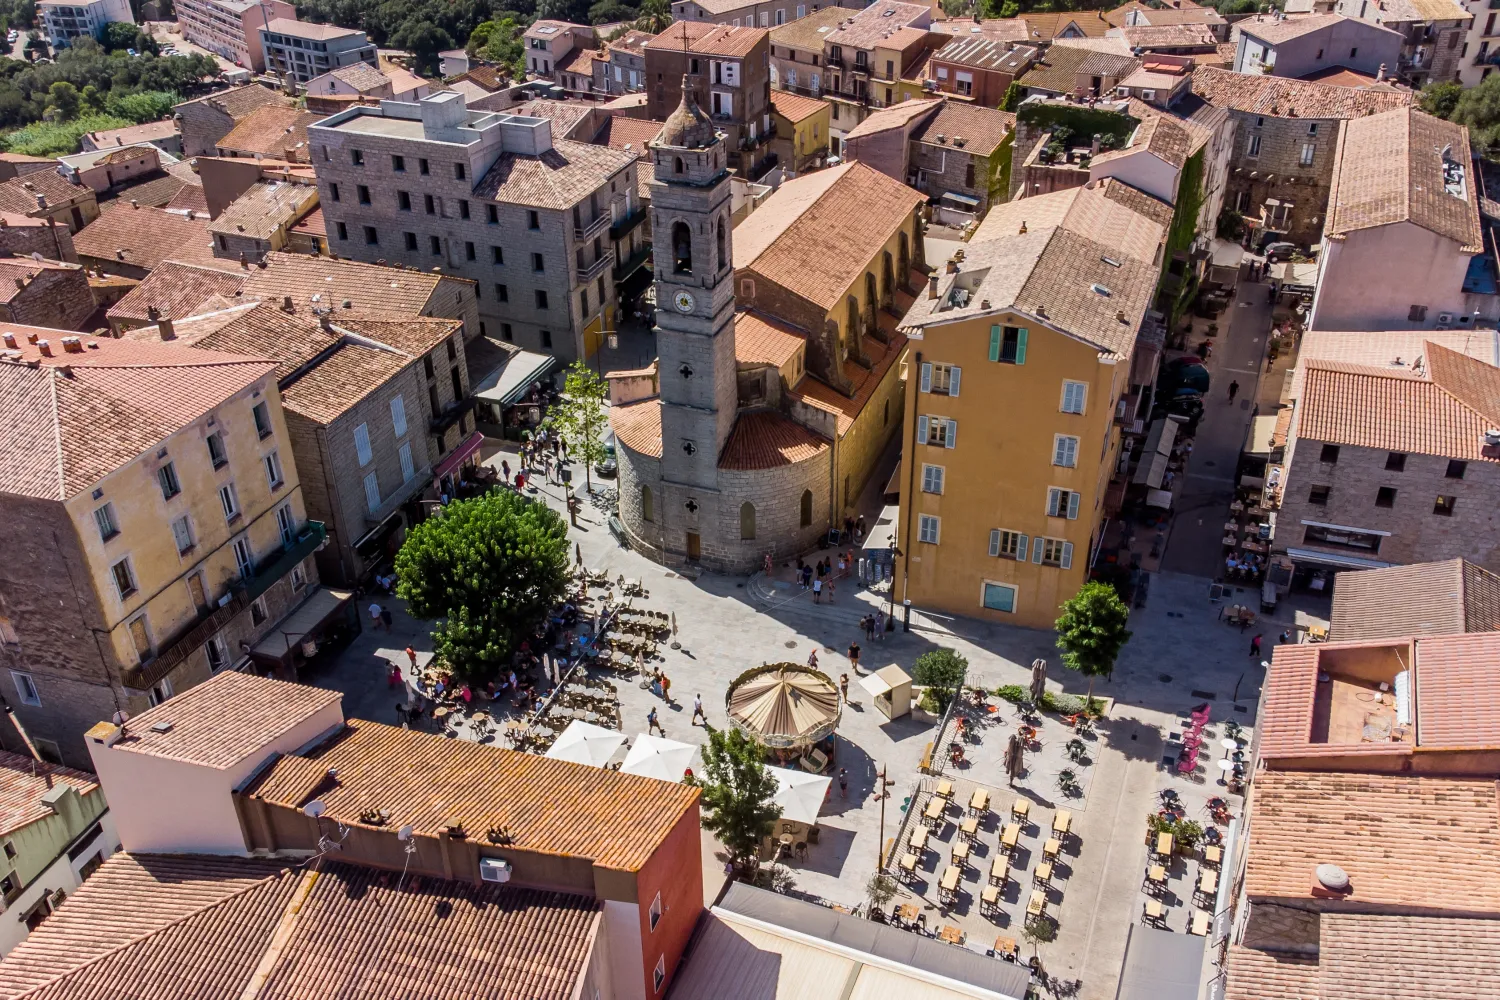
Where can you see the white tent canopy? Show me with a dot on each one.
(583, 743)
(657, 757)
(800, 795)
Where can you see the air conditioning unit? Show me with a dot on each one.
(1445, 319)
(494, 870)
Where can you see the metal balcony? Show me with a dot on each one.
(281, 563)
(592, 271)
(592, 229)
(627, 223)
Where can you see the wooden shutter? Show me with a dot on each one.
(1067, 555)
(952, 433)
(1036, 548)
(1073, 506)
(953, 375)
(922, 429)
(1021, 548)
(994, 541)
(1021, 346)
(927, 376)
(994, 343)
(1054, 501)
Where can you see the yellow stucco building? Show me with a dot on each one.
(1020, 354)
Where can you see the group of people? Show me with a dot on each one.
(1246, 566)
(820, 577)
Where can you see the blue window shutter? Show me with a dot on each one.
(1036, 548)
(994, 343)
(927, 376)
(1073, 506)
(952, 433)
(953, 377)
(1067, 555)
(1021, 549)
(922, 429)
(994, 541)
(1021, 346)
(1053, 502)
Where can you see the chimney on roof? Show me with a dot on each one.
(165, 327)
(325, 322)
(119, 141)
(1380, 74)
(45, 348)
(134, 203)
(286, 304)
(31, 338)
(932, 283)
(72, 345)
(1022, 230)
(190, 215)
(1120, 316)
(20, 284)
(10, 339)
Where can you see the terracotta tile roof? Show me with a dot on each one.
(291, 340)
(270, 131)
(558, 179)
(1363, 956)
(25, 270)
(1283, 97)
(1423, 843)
(1160, 136)
(238, 102)
(795, 107)
(340, 380)
(895, 116)
(1089, 211)
(705, 38)
(548, 28)
(765, 340)
(157, 191)
(805, 33)
(1445, 413)
(549, 806)
(1053, 25)
(23, 782)
(142, 236)
(563, 114)
(582, 61)
(1155, 16)
(115, 401)
(1004, 29)
(363, 77)
(1450, 669)
(1059, 69)
(979, 51)
(224, 720)
(364, 286)
(633, 42)
(1276, 30)
(211, 925)
(764, 439)
(637, 426)
(176, 290)
(816, 235)
(1451, 597)
(1165, 36)
(1263, 975)
(1290, 689)
(411, 335)
(864, 380)
(982, 129)
(264, 209)
(489, 78)
(1390, 168)
(619, 132)
(19, 193)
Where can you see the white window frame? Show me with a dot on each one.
(299, 578)
(286, 524)
(26, 688)
(187, 525)
(945, 430)
(244, 556)
(408, 467)
(104, 516)
(372, 492)
(1308, 154)
(1063, 502)
(659, 974)
(1065, 451)
(653, 914)
(997, 544)
(929, 529)
(160, 692)
(362, 445)
(272, 461)
(168, 471)
(932, 479)
(1081, 390)
(229, 500)
(1015, 595)
(216, 643)
(135, 584)
(1252, 149)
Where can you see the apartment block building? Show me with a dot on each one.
(231, 28)
(1432, 33)
(728, 71)
(751, 13)
(492, 197)
(997, 517)
(550, 45)
(299, 50)
(65, 20)
(866, 56)
(1300, 47)
(1480, 51)
(155, 528)
(797, 51)
(624, 71)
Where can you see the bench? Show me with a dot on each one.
(617, 528)
(925, 766)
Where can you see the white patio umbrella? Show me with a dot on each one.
(584, 743)
(800, 794)
(656, 757)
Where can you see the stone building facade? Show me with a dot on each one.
(45, 293)
(727, 70)
(24, 236)
(204, 121)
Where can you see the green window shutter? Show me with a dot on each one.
(1021, 346)
(994, 343)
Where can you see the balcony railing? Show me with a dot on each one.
(591, 229)
(199, 631)
(591, 271)
(281, 563)
(627, 223)
(629, 265)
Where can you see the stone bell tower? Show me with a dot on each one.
(690, 225)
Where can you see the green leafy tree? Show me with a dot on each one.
(63, 98)
(488, 570)
(737, 793)
(942, 672)
(580, 417)
(424, 40)
(119, 35)
(143, 106)
(506, 47)
(480, 37)
(881, 889)
(1014, 95)
(655, 16)
(1039, 930)
(59, 138)
(1091, 631)
(1440, 98)
(609, 11)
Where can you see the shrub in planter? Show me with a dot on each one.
(1013, 693)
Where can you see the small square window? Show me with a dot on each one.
(654, 912)
(262, 419)
(1385, 496)
(1329, 454)
(411, 240)
(166, 476)
(506, 333)
(343, 230)
(1395, 461)
(463, 208)
(533, 219)
(927, 529)
(541, 299)
(403, 201)
(1417, 314)
(364, 194)
(333, 192)
(26, 688)
(358, 157)
(1456, 469)
(460, 172)
(124, 578)
(435, 244)
(429, 205)
(932, 479)
(1444, 506)
(468, 250)
(497, 255)
(1319, 495)
(494, 214)
(104, 517)
(398, 164)
(216, 453)
(422, 166)
(372, 238)
(502, 293)
(538, 262)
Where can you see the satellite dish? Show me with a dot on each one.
(120, 718)
(404, 833)
(315, 808)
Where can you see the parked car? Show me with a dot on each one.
(1280, 251)
(1184, 374)
(608, 466)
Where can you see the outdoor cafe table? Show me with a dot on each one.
(1006, 946)
(1010, 835)
(999, 868)
(949, 882)
(1062, 822)
(934, 810)
(951, 934)
(908, 912)
(1038, 903)
(1164, 844)
(969, 827)
(919, 841)
(979, 801)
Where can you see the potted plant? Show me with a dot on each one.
(1187, 835)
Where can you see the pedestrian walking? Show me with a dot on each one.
(375, 617)
(843, 567)
(1234, 388)
(1284, 638)
(812, 658)
(386, 619)
(411, 656)
(505, 470)
(868, 624)
(652, 723)
(1255, 645)
(844, 687)
(880, 626)
(818, 591)
(698, 712)
(666, 689)
(843, 783)
(854, 655)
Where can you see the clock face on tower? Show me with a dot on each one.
(683, 301)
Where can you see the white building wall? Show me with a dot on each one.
(1371, 279)
(63, 875)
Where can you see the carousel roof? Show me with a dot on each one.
(787, 706)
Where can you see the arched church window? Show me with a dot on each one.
(682, 248)
(806, 508)
(648, 504)
(747, 521)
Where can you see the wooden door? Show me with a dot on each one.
(694, 547)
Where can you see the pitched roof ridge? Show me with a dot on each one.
(55, 424)
(1355, 368)
(147, 935)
